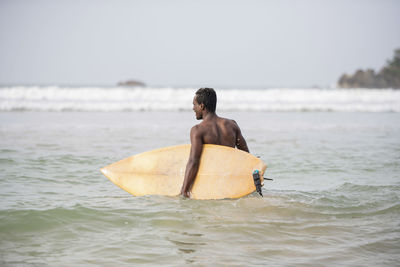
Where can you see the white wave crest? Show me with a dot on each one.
(54, 98)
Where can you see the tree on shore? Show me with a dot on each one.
(387, 77)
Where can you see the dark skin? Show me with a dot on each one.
(212, 130)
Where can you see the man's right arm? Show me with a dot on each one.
(240, 141)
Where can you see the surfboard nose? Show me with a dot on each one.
(106, 173)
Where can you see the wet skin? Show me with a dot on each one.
(212, 130)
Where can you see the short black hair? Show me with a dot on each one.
(208, 97)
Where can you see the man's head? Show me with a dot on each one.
(205, 99)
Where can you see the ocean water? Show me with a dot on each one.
(334, 200)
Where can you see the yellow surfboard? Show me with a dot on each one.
(224, 172)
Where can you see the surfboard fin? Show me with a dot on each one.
(257, 181)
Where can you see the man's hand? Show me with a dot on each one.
(185, 194)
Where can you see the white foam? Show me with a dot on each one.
(54, 98)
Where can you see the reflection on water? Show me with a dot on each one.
(191, 242)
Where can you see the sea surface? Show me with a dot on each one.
(334, 156)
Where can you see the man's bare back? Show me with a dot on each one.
(220, 131)
(212, 130)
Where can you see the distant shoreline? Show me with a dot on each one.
(387, 77)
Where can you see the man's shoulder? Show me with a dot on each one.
(197, 132)
(229, 122)
(197, 128)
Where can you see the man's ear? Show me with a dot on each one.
(202, 107)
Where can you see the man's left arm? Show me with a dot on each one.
(193, 163)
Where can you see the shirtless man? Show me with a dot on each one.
(212, 130)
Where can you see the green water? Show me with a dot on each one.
(334, 199)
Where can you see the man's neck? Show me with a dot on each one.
(209, 116)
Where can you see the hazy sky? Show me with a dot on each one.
(280, 43)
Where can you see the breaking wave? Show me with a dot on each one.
(53, 98)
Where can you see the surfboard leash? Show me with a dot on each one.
(257, 181)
